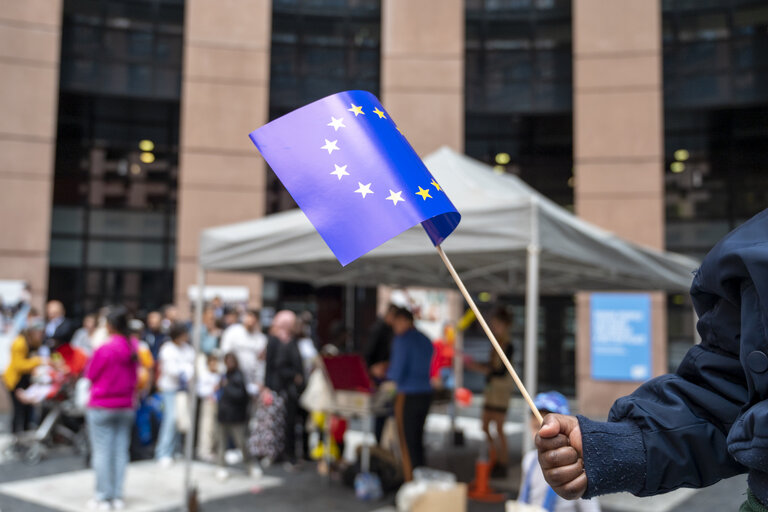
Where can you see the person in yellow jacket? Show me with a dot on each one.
(17, 374)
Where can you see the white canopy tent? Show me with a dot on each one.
(511, 239)
(502, 218)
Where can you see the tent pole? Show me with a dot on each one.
(349, 317)
(192, 392)
(488, 332)
(532, 312)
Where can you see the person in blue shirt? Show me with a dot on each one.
(409, 369)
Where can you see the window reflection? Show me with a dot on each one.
(130, 47)
(113, 222)
(716, 109)
(319, 47)
(518, 90)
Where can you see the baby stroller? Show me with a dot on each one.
(62, 423)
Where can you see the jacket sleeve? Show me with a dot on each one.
(673, 430)
(19, 359)
(670, 433)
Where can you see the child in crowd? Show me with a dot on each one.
(233, 415)
(146, 367)
(177, 359)
(534, 490)
(208, 381)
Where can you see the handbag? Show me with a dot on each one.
(318, 396)
(82, 393)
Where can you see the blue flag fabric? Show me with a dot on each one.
(354, 174)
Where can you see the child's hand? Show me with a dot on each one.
(561, 455)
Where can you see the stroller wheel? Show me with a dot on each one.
(34, 454)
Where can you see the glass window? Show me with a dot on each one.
(518, 99)
(122, 47)
(115, 183)
(319, 47)
(716, 118)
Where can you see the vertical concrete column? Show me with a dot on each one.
(422, 70)
(618, 153)
(30, 37)
(225, 95)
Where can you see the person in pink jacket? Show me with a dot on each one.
(110, 415)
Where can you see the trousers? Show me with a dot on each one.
(236, 432)
(168, 437)
(410, 414)
(109, 431)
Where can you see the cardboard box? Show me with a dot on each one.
(453, 500)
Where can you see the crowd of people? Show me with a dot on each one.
(248, 385)
(134, 368)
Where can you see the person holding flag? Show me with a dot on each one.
(705, 422)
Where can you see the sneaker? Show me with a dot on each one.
(99, 505)
(165, 462)
(222, 475)
(255, 471)
(118, 504)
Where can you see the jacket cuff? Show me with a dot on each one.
(614, 457)
(758, 484)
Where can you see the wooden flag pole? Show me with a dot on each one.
(488, 333)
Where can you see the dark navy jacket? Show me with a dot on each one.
(709, 420)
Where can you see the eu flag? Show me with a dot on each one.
(354, 174)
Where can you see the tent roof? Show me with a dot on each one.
(501, 216)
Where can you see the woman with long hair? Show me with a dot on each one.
(112, 372)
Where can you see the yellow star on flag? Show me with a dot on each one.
(434, 184)
(356, 110)
(424, 193)
(379, 113)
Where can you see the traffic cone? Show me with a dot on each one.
(479, 489)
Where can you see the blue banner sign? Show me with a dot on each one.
(620, 336)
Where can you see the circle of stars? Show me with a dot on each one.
(365, 189)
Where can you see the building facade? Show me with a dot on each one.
(125, 122)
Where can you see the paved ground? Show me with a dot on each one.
(61, 483)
